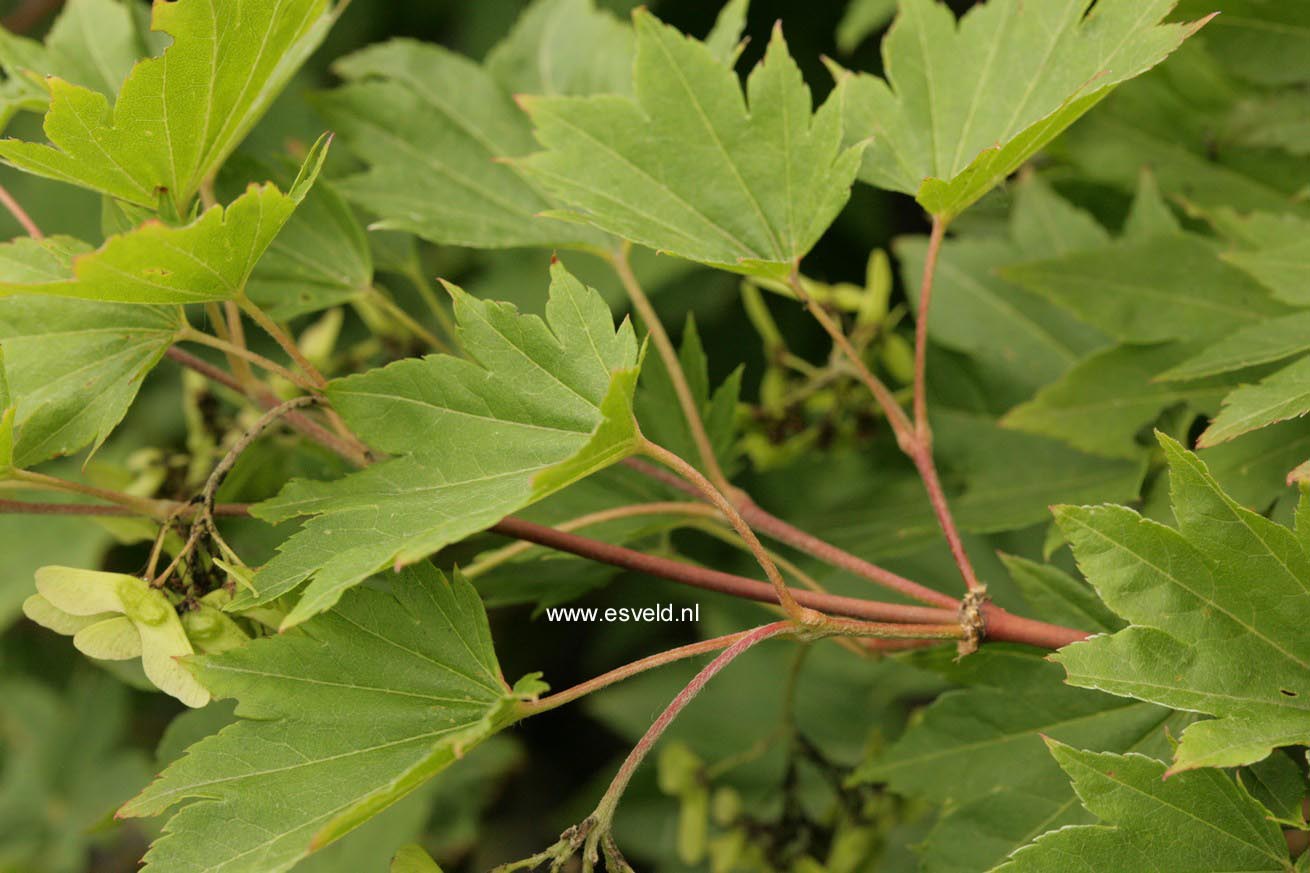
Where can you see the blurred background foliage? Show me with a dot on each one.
(756, 774)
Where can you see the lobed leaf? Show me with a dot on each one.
(692, 167)
(207, 260)
(178, 116)
(74, 366)
(1219, 610)
(538, 406)
(1199, 822)
(339, 720)
(966, 103)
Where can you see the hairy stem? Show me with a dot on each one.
(1001, 625)
(785, 532)
(20, 214)
(604, 813)
(922, 447)
(288, 345)
(921, 329)
(673, 365)
(794, 610)
(554, 701)
(714, 580)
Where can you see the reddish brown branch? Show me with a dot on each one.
(1001, 625)
(714, 580)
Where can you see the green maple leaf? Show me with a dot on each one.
(92, 43)
(553, 404)
(964, 105)
(73, 366)
(339, 720)
(1283, 395)
(1219, 607)
(1261, 343)
(178, 116)
(7, 415)
(1200, 822)
(692, 167)
(435, 130)
(661, 415)
(978, 751)
(319, 259)
(207, 260)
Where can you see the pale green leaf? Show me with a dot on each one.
(92, 43)
(1103, 403)
(1284, 395)
(7, 413)
(1279, 785)
(1281, 266)
(1220, 608)
(74, 366)
(178, 116)
(540, 55)
(339, 720)
(691, 166)
(143, 623)
(1168, 121)
(1280, 120)
(1173, 287)
(207, 260)
(319, 259)
(965, 104)
(553, 405)
(725, 39)
(1199, 822)
(435, 130)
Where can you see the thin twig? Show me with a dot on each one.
(785, 532)
(18, 212)
(287, 344)
(1001, 625)
(672, 365)
(203, 522)
(351, 450)
(896, 417)
(604, 813)
(794, 610)
(238, 350)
